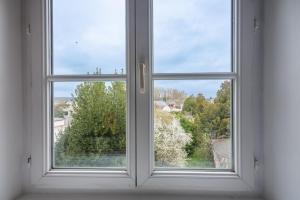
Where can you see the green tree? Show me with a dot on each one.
(223, 110)
(190, 105)
(98, 127)
(210, 119)
(200, 126)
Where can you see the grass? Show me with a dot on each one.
(201, 158)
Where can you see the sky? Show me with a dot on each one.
(188, 36)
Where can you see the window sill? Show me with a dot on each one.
(131, 196)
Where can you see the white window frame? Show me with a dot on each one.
(147, 175)
(140, 172)
(43, 176)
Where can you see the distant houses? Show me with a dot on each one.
(61, 123)
(168, 106)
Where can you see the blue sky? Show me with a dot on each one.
(189, 36)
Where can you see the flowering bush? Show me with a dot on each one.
(170, 140)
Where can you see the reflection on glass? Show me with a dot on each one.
(89, 124)
(192, 124)
(89, 34)
(192, 36)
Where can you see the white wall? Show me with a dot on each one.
(282, 99)
(10, 99)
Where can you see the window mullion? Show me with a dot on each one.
(143, 120)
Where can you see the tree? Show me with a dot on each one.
(189, 105)
(98, 127)
(169, 94)
(223, 110)
(193, 106)
(210, 119)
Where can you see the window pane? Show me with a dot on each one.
(89, 124)
(192, 124)
(89, 35)
(192, 36)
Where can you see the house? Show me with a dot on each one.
(162, 106)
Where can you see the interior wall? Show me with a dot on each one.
(10, 100)
(252, 77)
(282, 99)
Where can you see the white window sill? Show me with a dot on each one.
(131, 196)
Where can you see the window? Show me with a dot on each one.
(192, 37)
(140, 93)
(89, 115)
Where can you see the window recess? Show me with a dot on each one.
(142, 94)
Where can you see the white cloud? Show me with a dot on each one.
(189, 36)
(192, 29)
(93, 29)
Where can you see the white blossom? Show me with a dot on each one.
(170, 140)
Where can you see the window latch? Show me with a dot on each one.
(28, 29)
(28, 159)
(142, 72)
(256, 24)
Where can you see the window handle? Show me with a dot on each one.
(142, 68)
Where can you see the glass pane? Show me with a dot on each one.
(89, 124)
(192, 36)
(89, 36)
(192, 124)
